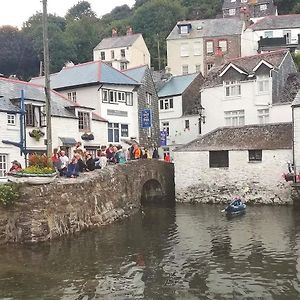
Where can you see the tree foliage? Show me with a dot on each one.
(80, 10)
(286, 6)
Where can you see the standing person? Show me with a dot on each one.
(120, 155)
(155, 153)
(64, 161)
(55, 159)
(167, 157)
(79, 149)
(136, 151)
(110, 153)
(130, 152)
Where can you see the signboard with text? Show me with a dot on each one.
(163, 138)
(146, 118)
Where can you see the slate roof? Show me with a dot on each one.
(176, 85)
(117, 41)
(208, 28)
(296, 101)
(95, 72)
(136, 73)
(277, 22)
(290, 90)
(249, 137)
(11, 89)
(246, 64)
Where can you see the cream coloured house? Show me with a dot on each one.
(123, 52)
(191, 45)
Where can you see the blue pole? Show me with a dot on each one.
(23, 127)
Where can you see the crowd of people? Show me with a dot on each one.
(83, 161)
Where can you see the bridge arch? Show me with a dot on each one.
(151, 192)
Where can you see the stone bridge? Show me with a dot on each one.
(97, 198)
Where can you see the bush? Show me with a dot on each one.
(38, 164)
(8, 194)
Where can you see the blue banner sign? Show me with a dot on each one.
(146, 118)
(163, 138)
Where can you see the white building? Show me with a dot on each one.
(247, 161)
(69, 122)
(179, 108)
(111, 93)
(249, 90)
(271, 33)
(123, 52)
(296, 132)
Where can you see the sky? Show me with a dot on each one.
(15, 12)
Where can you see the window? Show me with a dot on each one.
(72, 96)
(11, 119)
(184, 50)
(231, 12)
(232, 88)
(263, 7)
(184, 29)
(165, 104)
(263, 116)
(198, 68)
(112, 96)
(112, 54)
(255, 155)
(33, 115)
(218, 159)
(185, 69)
(209, 66)
(166, 151)
(84, 123)
(129, 99)
(102, 55)
(3, 165)
(263, 83)
(197, 48)
(288, 35)
(148, 99)
(124, 130)
(166, 127)
(122, 53)
(223, 45)
(123, 66)
(113, 133)
(269, 34)
(186, 124)
(121, 97)
(209, 47)
(104, 95)
(235, 118)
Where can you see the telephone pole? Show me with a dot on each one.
(47, 78)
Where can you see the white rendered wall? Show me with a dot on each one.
(297, 138)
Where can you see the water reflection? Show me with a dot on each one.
(187, 252)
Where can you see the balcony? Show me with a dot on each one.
(270, 43)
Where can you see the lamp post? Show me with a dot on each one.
(202, 117)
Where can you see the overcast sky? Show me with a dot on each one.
(15, 12)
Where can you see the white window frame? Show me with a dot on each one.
(263, 84)
(209, 66)
(123, 66)
(3, 165)
(263, 7)
(223, 45)
(123, 53)
(166, 104)
(105, 95)
(112, 96)
(11, 119)
(185, 69)
(197, 48)
(102, 55)
(209, 47)
(184, 29)
(197, 68)
(148, 99)
(234, 118)
(84, 121)
(184, 50)
(129, 99)
(231, 12)
(233, 89)
(113, 127)
(121, 96)
(268, 34)
(263, 115)
(165, 126)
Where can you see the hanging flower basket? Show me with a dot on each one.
(87, 137)
(36, 134)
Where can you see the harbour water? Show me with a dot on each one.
(184, 252)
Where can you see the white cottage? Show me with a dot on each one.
(111, 93)
(247, 161)
(69, 122)
(249, 90)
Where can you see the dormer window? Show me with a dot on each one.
(231, 12)
(263, 83)
(184, 28)
(84, 123)
(263, 7)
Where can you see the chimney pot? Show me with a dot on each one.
(129, 31)
(114, 32)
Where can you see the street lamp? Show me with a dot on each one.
(202, 117)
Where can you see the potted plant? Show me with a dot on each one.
(40, 170)
(87, 136)
(36, 134)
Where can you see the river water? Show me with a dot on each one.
(186, 252)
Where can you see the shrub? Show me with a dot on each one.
(38, 164)
(8, 194)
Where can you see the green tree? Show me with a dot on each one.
(296, 9)
(286, 6)
(296, 57)
(155, 19)
(205, 9)
(80, 10)
(17, 54)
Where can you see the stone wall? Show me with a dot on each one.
(71, 205)
(255, 182)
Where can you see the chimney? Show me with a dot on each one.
(245, 16)
(114, 32)
(129, 31)
(219, 57)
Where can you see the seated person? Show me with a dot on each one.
(81, 165)
(72, 169)
(90, 162)
(16, 166)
